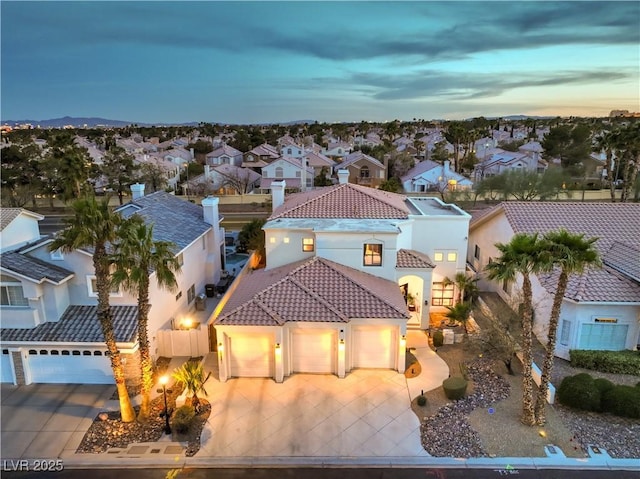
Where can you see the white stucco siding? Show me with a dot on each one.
(485, 236)
(20, 231)
(285, 246)
(288, 170)
(443, 235)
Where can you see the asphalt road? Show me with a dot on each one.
(327, 473)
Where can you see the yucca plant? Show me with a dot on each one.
(191, 375)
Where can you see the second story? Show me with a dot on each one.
(18, 227)
(364, 169)
(224, 155)
(289, 169)
(365, 229)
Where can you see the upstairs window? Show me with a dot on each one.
(191, 293)
(372, 254)
(364, 172)
(11, 292)
(279, 172)
(92, 286)
(476, 252)
(308, 245)
(438, 256)
(452, 257)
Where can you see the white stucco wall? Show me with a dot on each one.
(19, 232)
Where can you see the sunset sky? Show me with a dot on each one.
(263, 62)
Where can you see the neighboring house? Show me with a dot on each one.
(500, 161)
(290, 170)
(364, 169)
(601, 308)
(50, 332)
(291, 150)
(171, 169)
(224, 180)
(317, 161)
(224, 155)
(260, 156)
(338, 149)
(341, 265)
(179, 156)
(428, 175)
(18, 227)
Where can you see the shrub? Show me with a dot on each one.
(579, 392)
(438, 338)
(603, 385)
(455, 387)
(616, 362)
(421, 401)
(182, 419)
(622, 401)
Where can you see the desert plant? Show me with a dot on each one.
(455, 387)
(579, 392)
(438, 338)
(191, 376)
(421, 401)
(182, 418)
(622, 401)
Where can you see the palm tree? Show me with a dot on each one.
(606, 143)
(191, 376)
(94, 226)
(572, 253)
(460, 313)
(524, 255)
(467, 287)
(136, 257)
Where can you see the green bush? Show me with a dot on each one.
(455, 387)
(182, 419)
(579, 392)
(622, 401)
(421, 401)
(603, 385)
(616, 362)
(438, 338)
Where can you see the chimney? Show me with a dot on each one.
(207, 171)
(445, 168)
(277, 194)
(137, 191)
(343, 176)
(192, 153)
(303, 174)
(211, 216)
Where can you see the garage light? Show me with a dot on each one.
(278, 350)
(341, 344)
(403, 341)
(220, 347)
(187, 323)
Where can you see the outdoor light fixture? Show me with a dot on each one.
(187, 323)
(542, 433)
(341, 344)
(166, 413)
(220, 347)
(403, 341)
(278, 350)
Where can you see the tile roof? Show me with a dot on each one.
(420, 167)
(34, 268)
(409, 258)
(78, 324)
(344, 201)
(224, 150)
(357, 156)
(173, 219)
(314, 290)
(7, 215)
(617, 227)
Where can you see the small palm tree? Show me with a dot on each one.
(135, 257)
(94, 226)
(460, 313)
(525, 255)
(191, 376)
(467, 287)
(572, 253)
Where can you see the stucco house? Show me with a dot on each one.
(428, 175)
(224, 180)
(364, 169)
(601, 309)
(224, 155)
(341, 265)
(289, 169)
(50, 332)
(500, 161)
(260, 156)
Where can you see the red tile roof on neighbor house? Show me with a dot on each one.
(617, 227)
(315, 290)
(345, 201)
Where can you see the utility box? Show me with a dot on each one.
(201, 302)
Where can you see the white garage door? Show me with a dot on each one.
(610, 337)
(373, 347)
(251, 356)
(69, 368)
(314, 351)
(5, 366)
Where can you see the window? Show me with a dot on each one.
(565, 330)
(308, 245)
(452, 257)
(476, 252)
(364, 172)
(372, 254)
(180, 258)
(57, 255)
(191, 293)
(298, 174)
(288, 151)
(93, 288)
(12, 293)
(279, 172)
(441, 294)
(438, 256)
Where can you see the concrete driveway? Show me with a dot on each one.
(363, 415)
(40, 421)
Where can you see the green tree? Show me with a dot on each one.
(456, 134)
(392, 184)
(251, 238)
(136, 257)
(629, 152)
(322, 179)
(153, 176)
(570, 143)
(606, 142)
(119, 170)
(71, 165)
(459, 313)
(571, 254)
(467, 287)
(94, 226)
(524, 256)
(439, 154)
(191, 376)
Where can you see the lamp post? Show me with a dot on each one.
(164, 380)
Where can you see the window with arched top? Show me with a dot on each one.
(364, 172)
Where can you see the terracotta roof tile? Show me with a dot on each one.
(625, 259)
(343, 201)
(408, 258)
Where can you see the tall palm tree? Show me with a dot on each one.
(606, 142)
(572, 254)
(136, 257)
(524, 255)
(94, 226)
